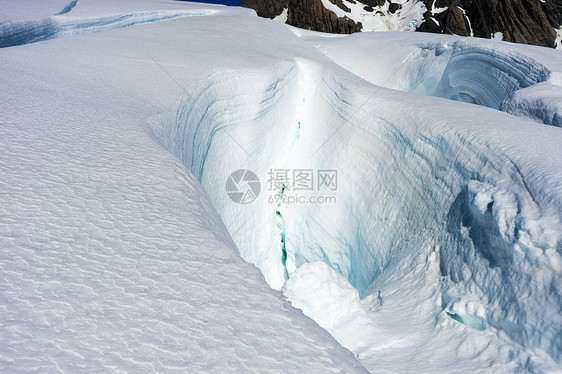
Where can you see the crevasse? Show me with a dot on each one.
(408, 183)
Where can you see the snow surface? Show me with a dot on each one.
(283, 16)
(121, 250)
(407, 18)
(17, 9)
(112, 257)
(472, 70)
(497, 36)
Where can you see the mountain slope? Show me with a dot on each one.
(518, 21)
(306, 14)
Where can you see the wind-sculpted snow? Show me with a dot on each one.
(474, 71)
(440, 251)
(483, 76)
(541, 102)
(19, 32)
(411, 186)
(113, 258)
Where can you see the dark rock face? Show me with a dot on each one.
(311, 14)
(306, 14)
(393, 7)
(455, 22)
(266, 8)
(520, 21)
(428, 24)
(373, 3)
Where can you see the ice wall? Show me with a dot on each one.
(409, 180)
(487, 73)
(484, 76)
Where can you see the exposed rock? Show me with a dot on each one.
(429, 25)
(373, 3)
(340, 4)
(553, 10)
(393, 7)
(306, 14)
(520, 21)
(455, 22)
(311, 14)
(266, 8)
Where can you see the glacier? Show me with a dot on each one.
(442, 252)
(524, 81)
(473, 209)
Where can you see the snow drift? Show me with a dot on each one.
(18, 32)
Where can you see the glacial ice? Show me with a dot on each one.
(499, 76)
(413, 179)
(448, 212)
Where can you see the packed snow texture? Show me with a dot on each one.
(443, 251)
(113, 258)
(325, 295)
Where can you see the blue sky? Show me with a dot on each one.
(226, 2)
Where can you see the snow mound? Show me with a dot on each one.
(327, 297)
(113, 258)
(425, 180)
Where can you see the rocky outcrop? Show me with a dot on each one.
(305, 14)
(266, 8)
(456, 23)
(311, 14)
(520, 21)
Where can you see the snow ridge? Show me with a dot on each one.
(19, 32)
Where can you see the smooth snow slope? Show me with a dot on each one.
(112, 257)
(16, 9)
(451, 210)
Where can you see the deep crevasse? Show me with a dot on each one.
(411, 186)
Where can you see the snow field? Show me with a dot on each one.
(121, 247)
